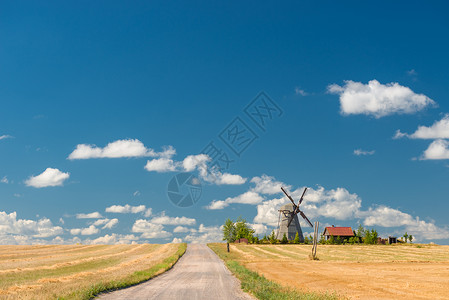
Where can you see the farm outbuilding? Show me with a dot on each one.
(343, 232)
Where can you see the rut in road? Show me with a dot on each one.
(199, 274)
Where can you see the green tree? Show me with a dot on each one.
(243, 230)
(296, 240)
(360, 231)
(331, 240)
(229, 232)
(284, 239)
(410, 238)
(272, 238)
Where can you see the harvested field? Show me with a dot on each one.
(77, 271)
(353, 271)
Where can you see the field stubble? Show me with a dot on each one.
(77, 271)
(355, 271)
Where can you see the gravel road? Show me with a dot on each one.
(199, 274)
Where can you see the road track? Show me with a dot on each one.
(199, 274)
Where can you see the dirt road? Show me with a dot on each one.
(199, 274)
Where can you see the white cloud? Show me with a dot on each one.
(114, 239)
(85, 231)
(267, 185)
(5, 136)
(4, 180)
(388, 217)
(377, 99)
(179, 229)
(259, 228)
(267, 212)
(438, 130)
(205, 235)
(249, 197)
(108, 223)
(360, 152)
(176, 241)
(335, 203)
(438, 149)
(93, 215)
(150, 230)
(227, 178)
(136, 193)
(11, 226)
(50, 177)
(166, 220)
(160, 165)
(129, 209)
(117, 149)
(192, 163)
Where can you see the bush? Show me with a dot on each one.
(284, 239)
(296, 240)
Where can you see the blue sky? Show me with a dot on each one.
(97, 98)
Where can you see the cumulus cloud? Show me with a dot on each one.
(150, 230)
(192, 163)
(249, 197)
(335, 203)
(50, 177)
(85, 231)
(205, 234)
(93, 215)
(13, 228)
(160, 165)
(180, 229)
(377, 99)
(267, 185)
(438, 149)
(4, 180)
(259, 228)
(110, 224)
(113, 239)
(117, 149)
(126, 209)
(176, 241)
(340, 204)
(166, 220)
(388, 217)
(438, 130)
(360, 152)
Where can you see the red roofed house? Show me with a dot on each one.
(344, 232)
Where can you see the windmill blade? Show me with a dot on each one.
(288, 196)
(291, 219)
(305, 218)
(302, 197)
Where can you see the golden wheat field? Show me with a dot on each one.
(73, 271)
(354, 271)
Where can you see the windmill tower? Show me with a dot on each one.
(288, 216)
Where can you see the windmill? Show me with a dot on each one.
(288, 218)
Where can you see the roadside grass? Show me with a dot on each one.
(130, 280)
(259, 286)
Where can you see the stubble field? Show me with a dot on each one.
(353, 271)
(79, 271)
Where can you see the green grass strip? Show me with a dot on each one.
(133, 279)
(258, 285)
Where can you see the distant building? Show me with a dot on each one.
(343, 232)
(392, 240)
